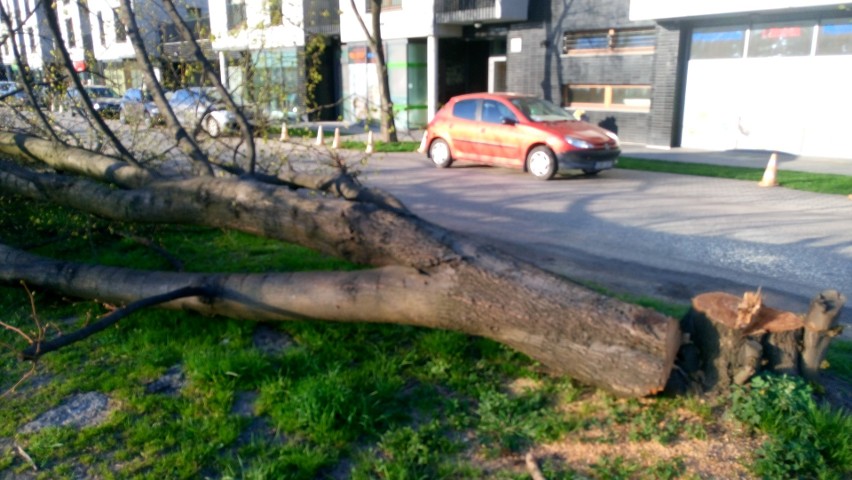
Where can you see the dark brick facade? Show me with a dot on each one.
(541, 69)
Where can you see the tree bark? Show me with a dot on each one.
(377, 46)
(738, 338)
(820, 326)
(430, 276)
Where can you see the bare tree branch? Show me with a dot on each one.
(210, 74)
(187, 143)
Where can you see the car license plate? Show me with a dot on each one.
(603, 165)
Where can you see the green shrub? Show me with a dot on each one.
(806, 440)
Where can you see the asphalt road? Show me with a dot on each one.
(662, 235)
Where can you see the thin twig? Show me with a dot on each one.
(532, 467)
(35, 351)
(20, 381)
(25, 456)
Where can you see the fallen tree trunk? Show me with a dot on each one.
(623, 348)
(430, 277)
(736, 338)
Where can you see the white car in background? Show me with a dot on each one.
(200, 106)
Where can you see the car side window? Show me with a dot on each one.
(465, 109)
(496, 112)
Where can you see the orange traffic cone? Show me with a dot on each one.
(422, 148)
(285, 134)
(336, 143)
(369, 142)
(769, 176)
(319, 135)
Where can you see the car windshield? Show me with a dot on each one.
(208, 95)
(102, 92)
(539, 110)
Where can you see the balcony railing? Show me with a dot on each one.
(468, 12)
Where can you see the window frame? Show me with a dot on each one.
(607, 104)
(612, 41)
(120, 29)
(386, 5)
(234, 23)
(70, 37)
(276, 12)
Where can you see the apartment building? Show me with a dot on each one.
(434, 49)
(31, 45)
(174, 63)
(34, 42)
(280, 54)
(756, 74)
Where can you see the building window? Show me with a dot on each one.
(69, 31)
(612, 41)
(784, 40)
(835, 38)
(386, 5)
(120, 30)
(722, 42)
(101, 31)
(608, 97)
(276, 15)
(236, 14)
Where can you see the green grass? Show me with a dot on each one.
(810, 182)
(839, 359)
(380, 146)
(358, 400)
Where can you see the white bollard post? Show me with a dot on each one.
(319, 135)
(285, 135)
(369, 142)
(336, 143)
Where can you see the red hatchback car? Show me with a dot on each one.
(517, 131)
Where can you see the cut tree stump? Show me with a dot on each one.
(729, 339)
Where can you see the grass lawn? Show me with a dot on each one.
(810, 182)
(325, 400)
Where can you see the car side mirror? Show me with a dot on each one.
(508, 121)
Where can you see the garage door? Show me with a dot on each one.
(778, 87)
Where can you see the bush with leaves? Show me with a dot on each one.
(799, 429)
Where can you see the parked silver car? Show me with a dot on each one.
(138, 107)
(199, 106)
(104, 99)
(12, 94)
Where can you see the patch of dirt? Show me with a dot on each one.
(270, 340)
(80, 410)
(171, 383)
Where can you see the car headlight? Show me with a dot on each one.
(576, 142)
(612, 136)
(96, 105)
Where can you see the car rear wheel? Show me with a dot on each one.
(212, 127)
(440, 154)
(541, 163)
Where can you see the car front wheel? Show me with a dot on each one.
(541, 163)
(440, 154)
(212, 127)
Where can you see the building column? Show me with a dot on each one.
(431, 77)
(223, 69)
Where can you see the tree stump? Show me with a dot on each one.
(729, 339)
